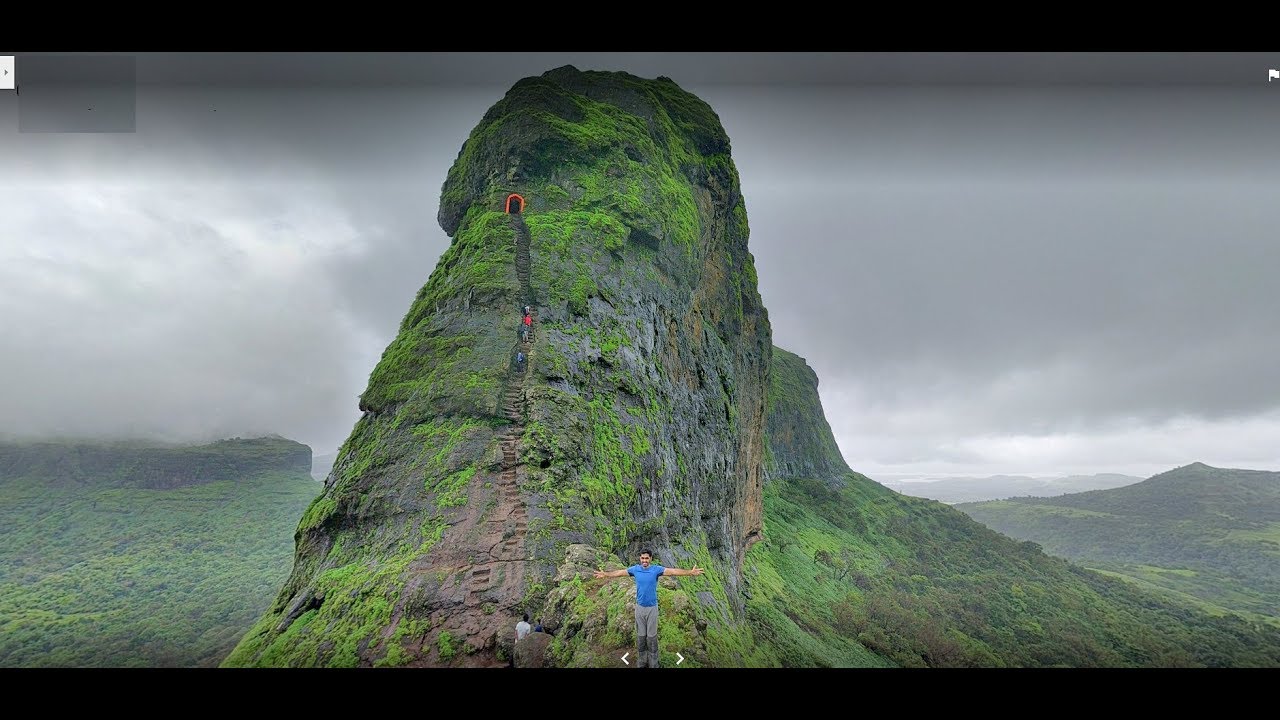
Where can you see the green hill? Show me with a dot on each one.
(120, 555)
(845, 560)
(1200, 533)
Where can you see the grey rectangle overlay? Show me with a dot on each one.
(76, 93)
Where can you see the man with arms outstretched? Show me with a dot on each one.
(646, 576)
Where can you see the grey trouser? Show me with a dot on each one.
(647, 636)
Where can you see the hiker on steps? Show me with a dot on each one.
(520, 358)
(528, 325)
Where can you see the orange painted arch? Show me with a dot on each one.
(517, 197)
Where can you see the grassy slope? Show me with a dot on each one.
(922, 584)
(1196, 532)
(108, 576)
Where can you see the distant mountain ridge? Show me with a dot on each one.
(134, 464)
(322, 464)
(997, 487)
(1199, 531)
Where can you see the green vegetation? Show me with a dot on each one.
(594, 168)
(358, 599)
(99, 572)
(800, 440)
(922, 585)
(851, 574)
(445, 642)
(596, 620)
(319, 509)
(847, 563)
(610, 485)
(431, 368)
(352, 586)
(583, 288)
(452, 491)
(1197, 532)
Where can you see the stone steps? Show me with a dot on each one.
(479, 579)
(510, 515)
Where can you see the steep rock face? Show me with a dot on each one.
(637, 421)
(800, 441)
(138, 465)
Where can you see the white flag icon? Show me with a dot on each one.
(1273, 75)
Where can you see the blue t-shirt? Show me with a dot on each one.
(646, 583)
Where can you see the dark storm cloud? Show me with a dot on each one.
(234, 267)
(1033, 260)
(995, 263)
(703, 69)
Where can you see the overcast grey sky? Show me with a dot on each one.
(1019, 264)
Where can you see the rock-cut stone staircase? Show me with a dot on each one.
(508, 523)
